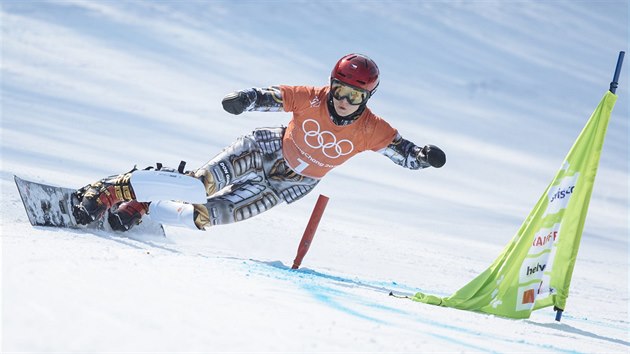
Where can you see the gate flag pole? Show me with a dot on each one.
(309, 232)
(613, 89)
(534, 270)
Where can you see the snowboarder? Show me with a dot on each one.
(269, 166)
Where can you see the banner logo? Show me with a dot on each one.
(325, 140)
(560, 195)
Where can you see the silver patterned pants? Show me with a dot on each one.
(247, 178)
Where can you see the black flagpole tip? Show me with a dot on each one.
(615, 82)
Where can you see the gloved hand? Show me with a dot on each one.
(127, 215)
(239, 101)
(433, 155)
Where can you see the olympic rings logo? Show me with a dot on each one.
(326, 140)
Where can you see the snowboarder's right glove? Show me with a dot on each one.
(127, 215)
(239, 101)
(432, 155)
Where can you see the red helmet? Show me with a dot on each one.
(357, 70)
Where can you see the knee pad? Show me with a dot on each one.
(151, 186)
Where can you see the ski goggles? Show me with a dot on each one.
(354, 95)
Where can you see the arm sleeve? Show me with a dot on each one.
(404, 153)
(267, 99)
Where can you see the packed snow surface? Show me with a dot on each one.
(91, 88)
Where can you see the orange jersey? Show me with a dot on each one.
(313, 145)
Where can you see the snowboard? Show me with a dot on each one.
(51, 206)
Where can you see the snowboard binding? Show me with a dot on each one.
(96, 198)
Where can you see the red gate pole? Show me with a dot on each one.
(309, 232)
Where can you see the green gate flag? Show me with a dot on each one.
(534, 270)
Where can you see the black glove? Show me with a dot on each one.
(433, 155)
(237, 102)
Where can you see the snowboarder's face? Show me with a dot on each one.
(347, 99)
(343, 108)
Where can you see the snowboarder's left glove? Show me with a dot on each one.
(239, 101)
(433, 155)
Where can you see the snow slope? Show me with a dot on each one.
(90, 88)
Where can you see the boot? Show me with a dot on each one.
(98, 197)
(127, 215)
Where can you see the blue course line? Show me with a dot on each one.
(328, 294)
